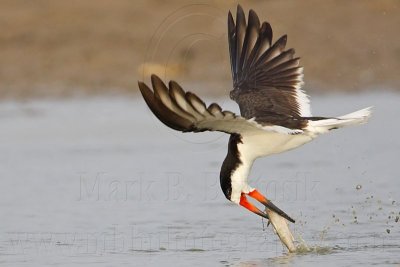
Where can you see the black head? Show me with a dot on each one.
(231, 162)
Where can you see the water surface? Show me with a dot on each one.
(102, 182)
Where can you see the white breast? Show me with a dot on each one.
(259, 144)
(263, 143)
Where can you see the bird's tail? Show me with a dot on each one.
(326, 124)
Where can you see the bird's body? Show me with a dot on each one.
(252, 146)
(275, 111)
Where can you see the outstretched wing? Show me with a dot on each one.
(184, 111)
(267, 79)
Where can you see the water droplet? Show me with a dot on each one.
(358, 187)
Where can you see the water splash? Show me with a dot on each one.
(303, 248)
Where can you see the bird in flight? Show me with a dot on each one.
(274, 115)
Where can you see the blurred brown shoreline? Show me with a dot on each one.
(62, 48)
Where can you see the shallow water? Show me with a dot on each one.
(102, 182)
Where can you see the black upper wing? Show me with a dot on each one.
(267, 79)
(186, 112)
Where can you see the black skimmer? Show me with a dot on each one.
(274, 115)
